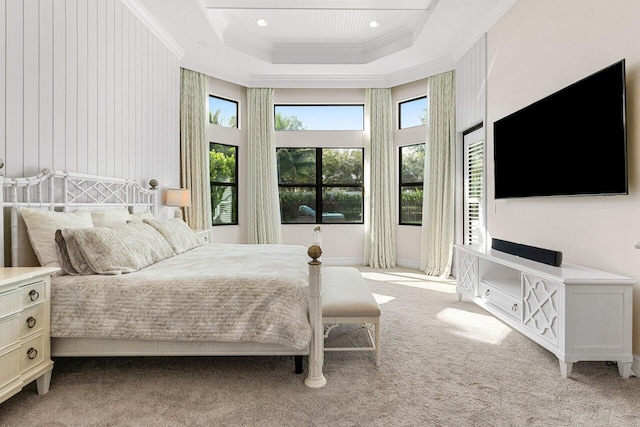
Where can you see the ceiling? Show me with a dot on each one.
(320, 43)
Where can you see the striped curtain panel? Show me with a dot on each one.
(438, 214)
(264, 203)
(194, 148)
(380, 213)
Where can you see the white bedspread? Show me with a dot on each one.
(217, 292)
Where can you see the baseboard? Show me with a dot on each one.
(635, 367)
(342, 261)
(408, 263)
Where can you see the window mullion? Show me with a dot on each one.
(319, 185)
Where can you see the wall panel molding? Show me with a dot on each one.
(87, 87)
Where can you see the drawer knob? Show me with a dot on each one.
(33, 295)
(515, 307)
(486, 293)
(32, 353)
(31, 322)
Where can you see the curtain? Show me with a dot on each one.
(439, 178)
(264, 203)
(194, 149)
(380, 214)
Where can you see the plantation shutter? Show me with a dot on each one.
(473, 192)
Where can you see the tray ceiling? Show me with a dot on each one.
(330, 43)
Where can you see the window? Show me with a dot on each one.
(411, 184)
(412, 113)
(223, 112)
(319, 117)
(223, 174)
(321, 185)
(473, 144)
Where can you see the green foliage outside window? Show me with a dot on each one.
(224, 187)
(287, 122)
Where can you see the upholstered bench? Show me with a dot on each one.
(346, 298)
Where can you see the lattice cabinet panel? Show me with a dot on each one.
(540, 309)
(468, 273)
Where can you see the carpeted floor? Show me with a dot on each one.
(443, 363)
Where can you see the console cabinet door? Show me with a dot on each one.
(540, 307)
(468, 274)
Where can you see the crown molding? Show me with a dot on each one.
(483, 27)
(218, 71)
(316, 81)
(421, 71)
(320, 4)
(154, 26)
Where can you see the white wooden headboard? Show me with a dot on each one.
(68, 191)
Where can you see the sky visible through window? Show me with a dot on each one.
(413, 113)
(228, 111)
(325, 117)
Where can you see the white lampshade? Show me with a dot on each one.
(179, 197)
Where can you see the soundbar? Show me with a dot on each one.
(545, 256)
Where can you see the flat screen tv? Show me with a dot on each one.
(573, 142)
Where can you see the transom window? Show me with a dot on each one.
(223, 174)
(319, 117)
(413, 112)
(321, 185)
(223, 112)
(411, 183)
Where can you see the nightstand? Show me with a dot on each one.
(204, 235)
(25, 341)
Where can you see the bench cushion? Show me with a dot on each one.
(346, 294)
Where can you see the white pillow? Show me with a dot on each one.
(42, 226)
(139, 217)
(110, 217)
(177, 233)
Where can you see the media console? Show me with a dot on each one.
(577, 313)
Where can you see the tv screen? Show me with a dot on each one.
(572, 142)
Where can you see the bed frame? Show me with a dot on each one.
(66, 191)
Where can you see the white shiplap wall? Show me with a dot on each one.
(85, 86)
(471, 86)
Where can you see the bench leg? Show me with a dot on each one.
(377, 343)
(298, 360)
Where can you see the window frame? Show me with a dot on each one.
(228, 184)
(400, 111)
(401, 185)
(318, 185)
(237, 126)
(482, 225)
(349, 104)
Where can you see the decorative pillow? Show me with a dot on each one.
(177, 233)
(42, 226)
(121, 248)
(110, 217)
(71, 259)
(139, 217)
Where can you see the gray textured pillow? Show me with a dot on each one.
(177, 233)
(121, 248)
(71, 258)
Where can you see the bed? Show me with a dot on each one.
(213, 300)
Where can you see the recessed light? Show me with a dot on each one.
(262, 22)
(202, 43)
(374, 24)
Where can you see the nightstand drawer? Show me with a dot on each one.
(32, 353)
(33, 294)
(9, 332)
(31, 320)
(9, 366)
(10, 302)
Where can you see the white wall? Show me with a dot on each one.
(237, 137)
(408, 236)
(341, 243)
(537, 48)
(86, 87)
(471, 98)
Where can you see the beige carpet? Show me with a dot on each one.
(443, 363)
